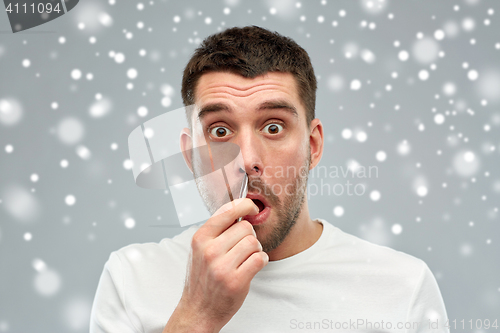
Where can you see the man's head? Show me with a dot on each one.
(256, 88)
(251, 51)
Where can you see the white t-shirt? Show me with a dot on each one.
(340, 283)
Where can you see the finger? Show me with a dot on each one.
(247, 270)
(243, 250)
(225, 216)
(232, 235)
(230, 206)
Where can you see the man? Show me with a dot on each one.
(277, 270)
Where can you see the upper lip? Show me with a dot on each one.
(256, 196)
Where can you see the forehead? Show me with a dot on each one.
(213, 85)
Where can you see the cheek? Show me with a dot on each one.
(284, 159)
(293, 154)
(286, 166)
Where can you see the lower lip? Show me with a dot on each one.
(259, 218)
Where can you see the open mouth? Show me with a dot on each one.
(259, 204)
(264, 209)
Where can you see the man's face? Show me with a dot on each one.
(266, 118)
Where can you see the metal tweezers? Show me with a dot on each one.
(244, 190)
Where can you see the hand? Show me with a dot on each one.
(225, 256)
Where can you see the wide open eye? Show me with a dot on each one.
(273, 128)
(220, 131)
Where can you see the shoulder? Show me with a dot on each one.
(372, 258)
(393, 279)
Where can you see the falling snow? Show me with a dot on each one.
(413, 93)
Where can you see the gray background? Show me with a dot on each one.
(47, 283)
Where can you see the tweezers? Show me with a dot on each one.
(244, 190)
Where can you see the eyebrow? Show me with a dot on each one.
(268, 105)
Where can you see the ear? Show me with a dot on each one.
(186, 143)
(316, 142)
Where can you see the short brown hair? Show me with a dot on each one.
(251, 51)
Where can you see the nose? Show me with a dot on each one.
(251, 151)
